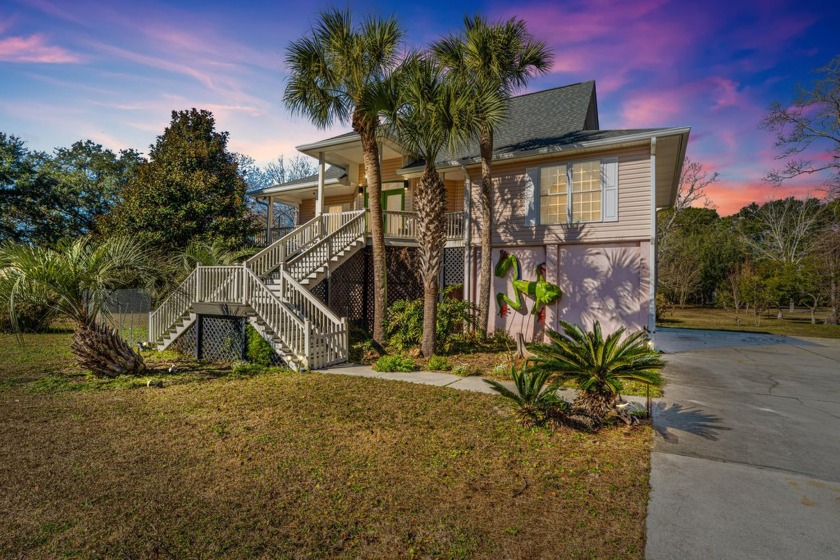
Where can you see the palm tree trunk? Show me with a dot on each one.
(373, 175)
(430, 204)
(100, 349)
(485, 226)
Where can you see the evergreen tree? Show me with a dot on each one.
(189, 189)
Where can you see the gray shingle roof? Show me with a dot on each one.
(331, 173)
(536, 118)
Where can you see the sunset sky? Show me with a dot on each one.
(113, 71)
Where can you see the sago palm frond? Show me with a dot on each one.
(597, 364)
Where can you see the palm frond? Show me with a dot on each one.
(597, 364)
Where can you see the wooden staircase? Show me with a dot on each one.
(272, 289)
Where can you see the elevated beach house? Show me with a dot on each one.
(574, 204)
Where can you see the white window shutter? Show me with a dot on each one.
(609, 177)
(531, 196)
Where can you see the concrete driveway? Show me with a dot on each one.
(746, 462)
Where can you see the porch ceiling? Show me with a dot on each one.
(309, 192)
(346, 150)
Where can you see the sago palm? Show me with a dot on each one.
(76, 280)
(427, 115)
(335, 74)
(535, 399)
(502, 57)
(599, 365)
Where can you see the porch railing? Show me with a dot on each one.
(403, 225)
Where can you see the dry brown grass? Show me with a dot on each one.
(289, 465)
(797, 323)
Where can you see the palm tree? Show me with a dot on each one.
(335, 74)
(428, 114)
(75, 279)
(503, 57)
(599, 365)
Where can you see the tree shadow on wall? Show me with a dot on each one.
(601, 283)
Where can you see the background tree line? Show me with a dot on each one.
(189, 189)
(778, 255)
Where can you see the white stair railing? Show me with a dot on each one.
(330, 336)
(295, 333)
(319, 254)
(308, 329)
(173, 307)
(275, 254)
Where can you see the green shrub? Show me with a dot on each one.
(465, 370)
(598, 365)
(404, 322)
(258, 350)
(438, 363)
(394, 363)
(31, 318)
(363, 350)
(535, 399)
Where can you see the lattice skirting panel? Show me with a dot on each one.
(215, 338)
(453, 266)
(349, 291)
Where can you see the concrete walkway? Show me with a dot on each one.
(435, 378)
(439, 379)
(746, 460)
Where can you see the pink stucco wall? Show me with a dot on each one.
(606, 282)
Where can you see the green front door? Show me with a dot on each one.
(392, 199)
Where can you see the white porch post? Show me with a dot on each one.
(652, 257)
(269, 220)
(467, 234)
(319, 202)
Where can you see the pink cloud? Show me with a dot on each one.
(725, 90)
(34, 49)
(731, 196)
(651, 108)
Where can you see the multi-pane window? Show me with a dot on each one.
(586, 191)
(553, 195)
(571, 193)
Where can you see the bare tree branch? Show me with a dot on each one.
(810, 125)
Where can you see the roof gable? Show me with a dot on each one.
(535, 117)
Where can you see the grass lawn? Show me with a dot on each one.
(286, 465)
(795, 324)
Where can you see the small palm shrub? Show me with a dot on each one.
(394, 363)
(598, 365)
(75, 280)
(438, 363)
(535, 399)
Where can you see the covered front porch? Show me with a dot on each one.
(340, 186)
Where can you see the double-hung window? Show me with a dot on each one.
(553, 195)
(583, 191)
